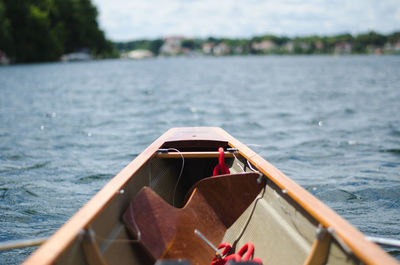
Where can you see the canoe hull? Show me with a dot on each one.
(284, 222)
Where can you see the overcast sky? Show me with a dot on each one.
(138, 19)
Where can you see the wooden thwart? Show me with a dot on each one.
(91, 250)
(193, 155)
(23, 243)
(320, 248)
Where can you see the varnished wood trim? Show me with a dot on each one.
(193, 155)
(91, 250)
(319, 250)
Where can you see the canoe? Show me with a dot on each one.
(167, 205)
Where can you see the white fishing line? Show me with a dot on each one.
(180, 174)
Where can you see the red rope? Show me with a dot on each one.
(221, 168)
(247, 251)
(244, 254)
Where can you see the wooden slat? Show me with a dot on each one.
(91, 250)
(23, 243)
(320, 249)
(193, 155)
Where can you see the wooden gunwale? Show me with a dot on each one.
(366, 251)
(193, 155)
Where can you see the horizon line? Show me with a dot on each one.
(256, 35)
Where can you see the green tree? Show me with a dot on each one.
(155, 46)
(77, 27)
(193, 44)
(394, 37)
(363, 41)
(42, 30)
(6, 39)
(29, 29)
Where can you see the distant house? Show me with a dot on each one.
(137, 54)
(378, 50)
(391, 47)
(343, 48)
(221, 49)
(208, 48)
(171, 46)
(319, 45)
(289, 46)
(263, 46)
(372, 49)
(388, 48)
(397, 46)
(81, 55)
(238, 50)
(304, 46)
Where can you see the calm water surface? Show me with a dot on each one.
(330, 123)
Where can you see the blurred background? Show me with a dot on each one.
(87, 85)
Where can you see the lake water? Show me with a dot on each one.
(332, 124)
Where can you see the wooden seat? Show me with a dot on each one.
(212, 206)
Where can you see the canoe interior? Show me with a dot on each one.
(282, 232)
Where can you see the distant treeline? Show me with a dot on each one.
(371, 42)
(43, 30)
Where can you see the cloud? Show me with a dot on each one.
(127, 19)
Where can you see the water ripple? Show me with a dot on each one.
(330, 123)
(10, 168)
(95, 177)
